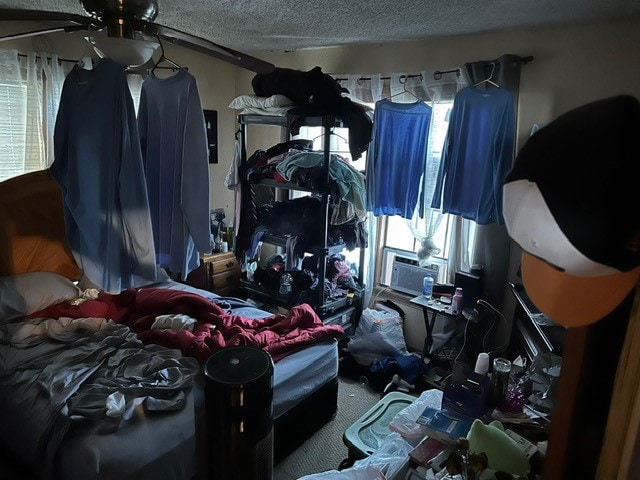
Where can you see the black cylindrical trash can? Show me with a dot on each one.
(239, 412)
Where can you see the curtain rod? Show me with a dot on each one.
(76, 61)
(364, 79)
(59, 59)
(436, 75)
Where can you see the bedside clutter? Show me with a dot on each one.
(406, 452)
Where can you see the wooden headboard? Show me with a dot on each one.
(32, 235)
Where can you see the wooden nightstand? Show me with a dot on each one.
(219, 273)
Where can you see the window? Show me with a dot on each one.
(21, 145)
(29, 97)
(397, 238)
(339, 144)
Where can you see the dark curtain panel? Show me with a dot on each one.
(492, 249)
(506, 73)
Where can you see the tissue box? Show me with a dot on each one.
(445, 426)
(467, 393)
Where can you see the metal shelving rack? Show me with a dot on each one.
(329, 308)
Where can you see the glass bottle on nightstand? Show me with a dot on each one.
(456, 302)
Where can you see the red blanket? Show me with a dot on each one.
(280, 335)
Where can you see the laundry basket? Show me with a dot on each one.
(369, 431)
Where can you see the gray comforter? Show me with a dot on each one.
(87, 374)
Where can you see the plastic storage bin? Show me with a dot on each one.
(369, 431)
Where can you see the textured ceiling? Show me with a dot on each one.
(255, 25)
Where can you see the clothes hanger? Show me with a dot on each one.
(339, 136)
(330, 133)
(86, 58)
(164, 58)
(488, 79)
(403, 81)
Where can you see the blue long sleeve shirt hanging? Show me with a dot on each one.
(477, 155)
(397, 157)
(174, 146)
(98, 165)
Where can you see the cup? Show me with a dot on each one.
(482, 364)
(499, 382)
(229, 232)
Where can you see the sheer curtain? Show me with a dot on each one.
(54, 74)
(438, 89)
(366, 89)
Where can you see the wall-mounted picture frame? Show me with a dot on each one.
(211, 124)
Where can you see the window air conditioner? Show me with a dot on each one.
(407, 275)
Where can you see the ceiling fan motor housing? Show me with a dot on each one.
(120, 16)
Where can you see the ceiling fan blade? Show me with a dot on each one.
(73, 22)
(205, 46)
(68, 29)
(44, 16)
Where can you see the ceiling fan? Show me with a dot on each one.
(131, 20)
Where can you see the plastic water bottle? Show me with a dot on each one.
(456, 302)
(427, 287)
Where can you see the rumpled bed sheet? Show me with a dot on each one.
(88, 374)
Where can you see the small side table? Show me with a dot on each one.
(218, 273)
(430, 310)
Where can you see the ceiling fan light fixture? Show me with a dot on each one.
(146, 10)
(122, 17)
(126, 51)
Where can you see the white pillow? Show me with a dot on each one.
(27, 293)
(253, 101)
(273, 111)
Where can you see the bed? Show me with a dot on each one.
(62, 406)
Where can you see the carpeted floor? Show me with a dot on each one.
(325, 450)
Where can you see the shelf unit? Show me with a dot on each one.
(328, 309)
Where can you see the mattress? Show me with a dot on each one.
(299, 375)
(295, 376)
(100, 456)
(90, 457)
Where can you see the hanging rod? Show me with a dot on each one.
(364, 79)
(437, 75)
(59, 59)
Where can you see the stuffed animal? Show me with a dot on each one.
(503, 453)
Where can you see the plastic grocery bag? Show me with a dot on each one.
(366, 473)
(378, 335)
(405, 422)
(388, 459)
